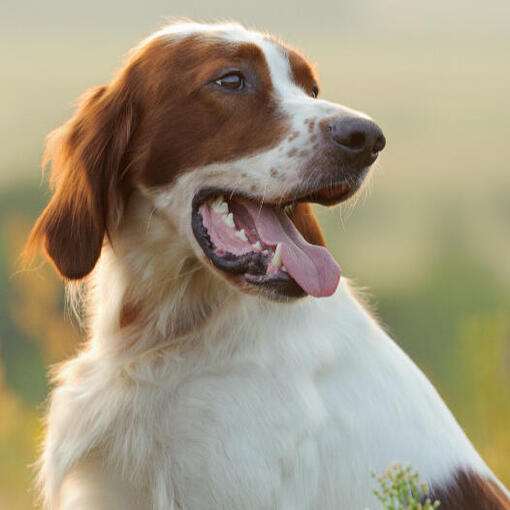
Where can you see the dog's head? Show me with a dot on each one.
(223, 131)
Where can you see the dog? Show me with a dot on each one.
(227, 366)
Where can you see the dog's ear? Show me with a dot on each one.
(306, 222)
(88, 160)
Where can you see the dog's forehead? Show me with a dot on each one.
(288, 68)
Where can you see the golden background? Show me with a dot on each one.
(429, 238)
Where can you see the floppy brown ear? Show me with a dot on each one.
(87, 157)
(306, 222)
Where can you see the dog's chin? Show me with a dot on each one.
(282, 290)
(256, 247)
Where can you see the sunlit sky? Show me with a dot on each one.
(452, 17)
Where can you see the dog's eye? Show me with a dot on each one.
(315, 91)
(231, 81)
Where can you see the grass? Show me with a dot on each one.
(400, 489)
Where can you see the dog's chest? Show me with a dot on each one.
(267, 429)
(291, 413)
(247, 438)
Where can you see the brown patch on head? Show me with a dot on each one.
(470, 491)
(161, 115)
(303, 154)
(302, 72)
(306, 222)
(292, 152)
(273, 172)
(311, 126)
(191, 121)
(313, 138)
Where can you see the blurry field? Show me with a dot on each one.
(430, 238)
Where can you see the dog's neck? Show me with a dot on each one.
(150, 287)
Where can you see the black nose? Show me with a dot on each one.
(361, 139)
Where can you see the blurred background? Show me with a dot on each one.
(429, 238)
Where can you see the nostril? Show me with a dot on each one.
(355, 141)
(360, 137)
(351, 134)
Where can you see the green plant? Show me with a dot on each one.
(400, 489)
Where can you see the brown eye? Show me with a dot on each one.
(231, 81)
(315, 91)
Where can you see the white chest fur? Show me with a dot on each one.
(287, 407)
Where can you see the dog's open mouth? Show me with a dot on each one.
(260, 242)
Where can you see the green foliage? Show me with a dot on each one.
(400, 489)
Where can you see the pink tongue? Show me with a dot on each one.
(313, 267)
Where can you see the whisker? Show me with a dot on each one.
(151, 214)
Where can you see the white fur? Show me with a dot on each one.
(267, 406)
(217, 399)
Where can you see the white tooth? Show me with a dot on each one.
(284, 269)
(265, 252)
(229, 220)
(288, 209)
(257, 245)
(241, 234)
(219, 205)
(277, 257)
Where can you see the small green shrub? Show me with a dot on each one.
(400, 489)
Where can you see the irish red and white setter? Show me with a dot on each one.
(227, 365)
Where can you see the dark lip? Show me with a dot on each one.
(328, 195)
(252, 266)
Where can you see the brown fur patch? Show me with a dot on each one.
(302, 72)
(88, 156)
(292, 152)
(190, 121)
(471, 491)
(160, 116)
(129, 313)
